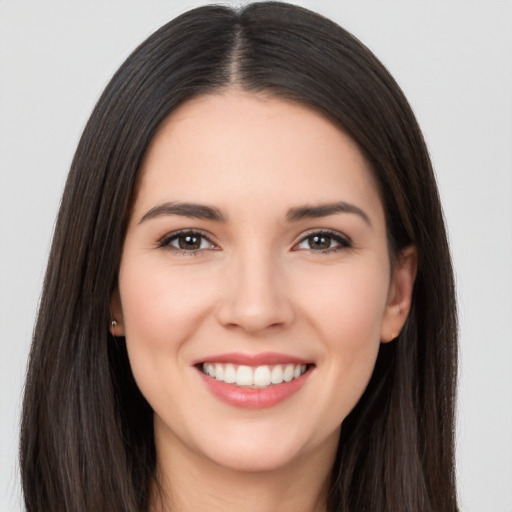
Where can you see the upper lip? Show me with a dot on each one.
(264, 358)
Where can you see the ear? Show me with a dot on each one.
(116, 314)
(400, 294)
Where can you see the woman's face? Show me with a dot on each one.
(256, 253)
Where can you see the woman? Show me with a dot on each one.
(249, 301)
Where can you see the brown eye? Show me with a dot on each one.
(319, 242)
(324, 242)
(189, 242)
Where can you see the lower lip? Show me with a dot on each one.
(254, 398)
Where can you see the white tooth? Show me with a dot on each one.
(244, 376)
(288, 373)
(210, 370)
(296, 372)
(277, 374)
(219, 372)
(303, 369)
(229, 374)
(262, 376)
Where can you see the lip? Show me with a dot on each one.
(254, 398)
(264, 358)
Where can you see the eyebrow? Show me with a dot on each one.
(192, 210)
(200, 211)
(323, 210)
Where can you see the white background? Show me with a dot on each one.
(454, 62)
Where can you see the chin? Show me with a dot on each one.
(254, 460)
(266, 451)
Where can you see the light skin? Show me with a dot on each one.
(288, 253)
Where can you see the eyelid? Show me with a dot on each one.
(344, 241)
(164, 242)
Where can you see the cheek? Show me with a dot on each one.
(346, 311)
(158, 300)
(348, 305)
(162, 308)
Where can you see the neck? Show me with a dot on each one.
(189, 482)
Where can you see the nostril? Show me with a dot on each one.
(240, 315)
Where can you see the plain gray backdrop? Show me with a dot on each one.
(454, 61)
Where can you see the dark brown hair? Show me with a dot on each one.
(87, 433)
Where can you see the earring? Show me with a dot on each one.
(113, 325)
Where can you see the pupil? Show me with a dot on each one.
(189, 242)
(319, 242)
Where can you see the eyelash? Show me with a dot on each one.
(343, 241)
(165, 242)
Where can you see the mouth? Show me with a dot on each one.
(253, 377)
(254, 381)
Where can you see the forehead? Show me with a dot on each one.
(259, 150)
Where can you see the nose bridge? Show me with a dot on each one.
(257, 295)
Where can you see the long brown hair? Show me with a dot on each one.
(87, 432)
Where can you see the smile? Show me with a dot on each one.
(256, 381)
(255, 377)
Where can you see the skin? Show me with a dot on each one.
(256, 285)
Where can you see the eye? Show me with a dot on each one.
(324, 241)
(187, 242)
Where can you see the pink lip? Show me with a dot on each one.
(251, 398)
(264, 358)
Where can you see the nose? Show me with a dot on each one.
(256, 297)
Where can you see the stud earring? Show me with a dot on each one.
(113, 325)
